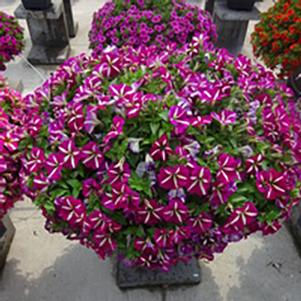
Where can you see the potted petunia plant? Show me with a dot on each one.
(12, 131)
(168, 23)
(11, 39)
(163, 158)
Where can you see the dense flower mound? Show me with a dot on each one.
(11, 38)
(164, 158)
(150, 22)
(277, 37)
(11, 133)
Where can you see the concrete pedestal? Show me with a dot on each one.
(181, 274)
(7, 233)
(49, 34)
(72, 26)
(209, 6)
(232, 26)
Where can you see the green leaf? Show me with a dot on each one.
(154, 128)
(164, 115)
(76, 186)
(140, 184)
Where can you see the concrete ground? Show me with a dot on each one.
(44, 267)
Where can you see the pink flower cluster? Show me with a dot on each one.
(144, 23)
(11, 38)
(11, 133)
(162, 157)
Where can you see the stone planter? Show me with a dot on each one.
(181, 274)
(7, 232)
(37, 4)
(241, 4)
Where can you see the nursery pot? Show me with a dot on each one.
(128, 277)
(7, 233)
(37, 4)
(241, 4)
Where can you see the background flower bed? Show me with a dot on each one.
(150, 22)
(166, 157)
(277, 37)
(11, 38)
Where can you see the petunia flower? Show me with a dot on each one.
(201, 223)
(273, 184)
(54, 166)
(226, 117)
(91, 155)
(253, 164)
(9, 142)
(72, 154)
(121, 93)
(116, 130)
(173, 177)
(160, 150)
(175, 212)
(150, 213)
(70, 210)
(76, 117)
(104, 243)
(242, 217)
(228, 169)
(163, 238)
(179, 119)
(221, 193)
(36, 160)
(118, 172)
(40, 182)
(199, 180)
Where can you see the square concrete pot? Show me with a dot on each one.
(180, 275)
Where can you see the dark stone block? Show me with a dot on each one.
(232, 26)
(7, 233)
(181, 274)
